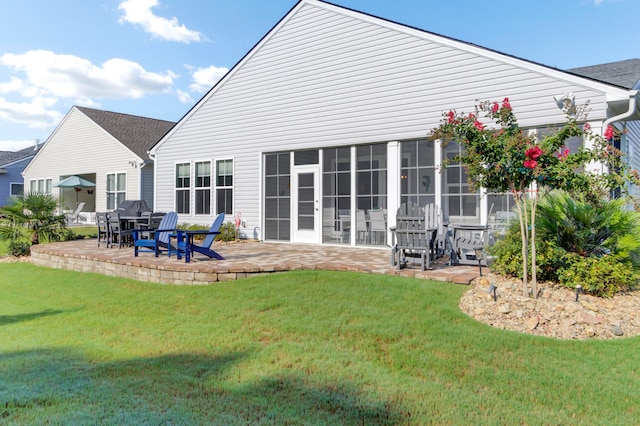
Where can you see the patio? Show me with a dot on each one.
(242, 259)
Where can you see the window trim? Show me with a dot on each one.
(186, 189)
(116, 192)
(202, 188)
(225, 187)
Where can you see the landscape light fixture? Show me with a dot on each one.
(492, 291)
(578, 291)
(479, 252)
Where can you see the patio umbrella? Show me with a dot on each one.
(75, 182)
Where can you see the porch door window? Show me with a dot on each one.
(183, 188)
(336, 197)
(203, 187)
(459, 203)
(371, 195)
(116, 189)
(277, 197)
(418, 172)
(224, 187)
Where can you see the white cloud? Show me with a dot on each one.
(69, 76)
(205, 78)
(35, 114)
(138, 12)
(184, 97)
(16, 145)
(47, 77)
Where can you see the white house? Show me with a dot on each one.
(103, 147)
(324, 122)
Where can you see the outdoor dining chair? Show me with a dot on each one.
(103, 228)
(160, 239)
(118, 234)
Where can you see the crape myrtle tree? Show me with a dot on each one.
(503, 157)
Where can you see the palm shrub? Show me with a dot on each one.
(32, 217)
(601, 241)
(596, 245)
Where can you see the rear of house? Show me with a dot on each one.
(325, 121)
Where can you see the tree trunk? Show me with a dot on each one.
(534, 267)
(522, 216)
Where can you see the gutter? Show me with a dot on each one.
(633, 108)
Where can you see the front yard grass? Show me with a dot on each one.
(293, 348)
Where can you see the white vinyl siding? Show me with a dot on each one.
(326, 76)
(80, 147)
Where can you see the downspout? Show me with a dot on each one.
(633, 105)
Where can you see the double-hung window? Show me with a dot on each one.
(116, 189)
(203, 187)
(224, 187)
(17, 189)
(183, 188)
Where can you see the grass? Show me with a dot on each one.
(297, 348)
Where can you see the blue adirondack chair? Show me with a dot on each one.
(158, 238)
(187, 247)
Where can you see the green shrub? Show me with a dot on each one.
(19, 248)
(227, 232)
(507, 253)
(602, 276)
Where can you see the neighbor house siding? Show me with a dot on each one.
(632, 139)
(79, 146)
(13, 175)
(329, 77)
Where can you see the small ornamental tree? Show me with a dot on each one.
(509, 159)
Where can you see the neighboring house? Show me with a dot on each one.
(326, 120)
(106, 148)
(11, 166)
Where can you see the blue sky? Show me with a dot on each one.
(157, 58)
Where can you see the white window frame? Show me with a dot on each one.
(11, 186)
(186, 189)
(197, 189)
(225, 187)
(115, 192)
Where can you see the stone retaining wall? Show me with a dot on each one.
(139, 271)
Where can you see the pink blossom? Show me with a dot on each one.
(506, 104)
(534, 153)
(608, 134)
(451, 115)
(495, 107)
(478, 125)
(586, 128)
(564, 154)
(530, 164)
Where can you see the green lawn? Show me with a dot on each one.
(296, 348)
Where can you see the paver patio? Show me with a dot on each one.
(242, 259)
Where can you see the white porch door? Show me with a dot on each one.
(305, 197)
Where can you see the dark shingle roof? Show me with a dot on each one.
(7, 157)
(138, 134)
(622, 73)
